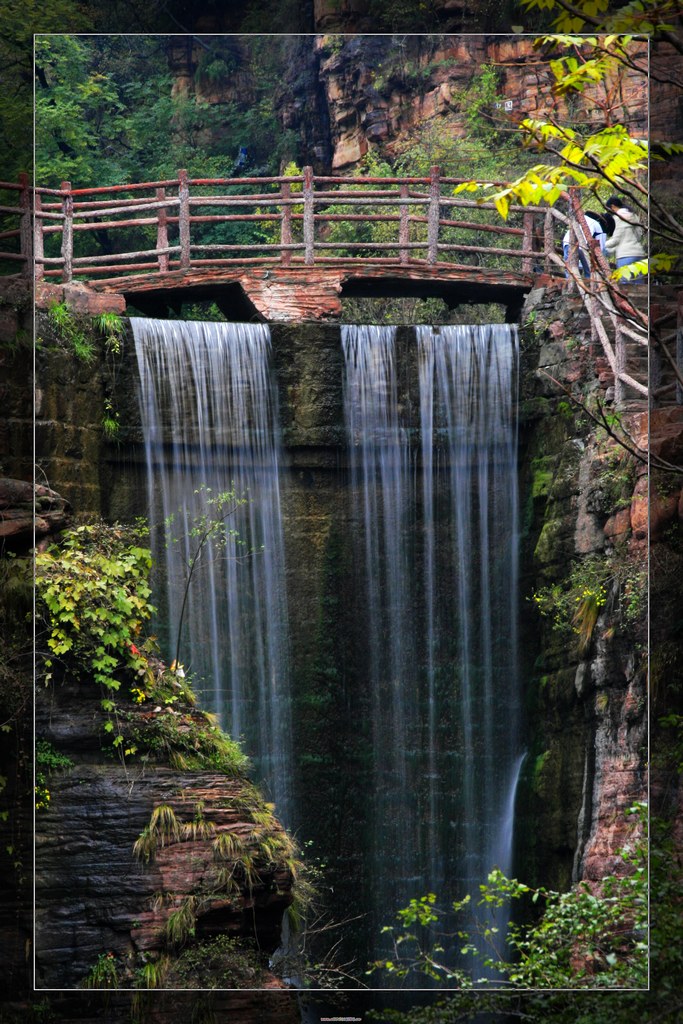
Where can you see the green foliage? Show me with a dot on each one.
(47, 761)
(222, 962)
(104, 973)
(404, 15)
(181, 922)
(206, 311)
(594, 935)
(405, 72)
(100, 101)
(20, 21)
(617, 479)
(412, 310)
(106, 112)
(482, 148)
(153, 973)
(591, 935)
(112, 328)
(414, 950)
(637, 17)
(595, 159)
(575, 603)
(110, 421)
(187, 742)
(42, 793)
(218, 62)
(93, 599)
(163, 827)
(67, 327)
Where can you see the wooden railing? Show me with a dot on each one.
(423, 221)
(297, 217)
(15, 218)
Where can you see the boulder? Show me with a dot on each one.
(24, 507)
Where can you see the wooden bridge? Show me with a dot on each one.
(293, 247)
(284, 248)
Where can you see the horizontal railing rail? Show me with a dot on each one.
(180, 223)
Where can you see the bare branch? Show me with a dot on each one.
(602, 419)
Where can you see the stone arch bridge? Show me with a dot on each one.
(285, 248)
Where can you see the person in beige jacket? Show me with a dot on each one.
(626, 242)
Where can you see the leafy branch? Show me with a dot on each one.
(595, 934)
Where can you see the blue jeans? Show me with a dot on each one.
(624, 261)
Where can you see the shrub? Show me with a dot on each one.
(93, 596)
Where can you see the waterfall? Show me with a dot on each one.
(382, 489)
(431, 601)
(210, 421)
(438, 526)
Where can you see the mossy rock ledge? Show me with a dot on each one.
(139, 863)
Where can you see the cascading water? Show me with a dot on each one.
(434, 514)
(382, 487)
(210, 421)
(440, 567)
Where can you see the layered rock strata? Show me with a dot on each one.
(199, 856)
(586, 531)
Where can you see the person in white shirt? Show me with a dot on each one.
(626, 243)
(597, 231)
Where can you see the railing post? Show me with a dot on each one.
(184, 219)
(309, 223)
(286, 224)
(25, 247)
(575, 233)
(620, 366)
(433, 215)
(67, 232)
(403, 227)
(573, 262)
(548, 240)
(38, 248)
(596, 257)
(162, 231)
(528, 241)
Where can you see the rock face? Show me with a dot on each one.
(582, 498)
(24, 508)
(581, 501)
(379, 89)
(347, 96)
(96, 896)
(374, 90)
(585, 531)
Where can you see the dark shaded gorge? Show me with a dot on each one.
(416, 665)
